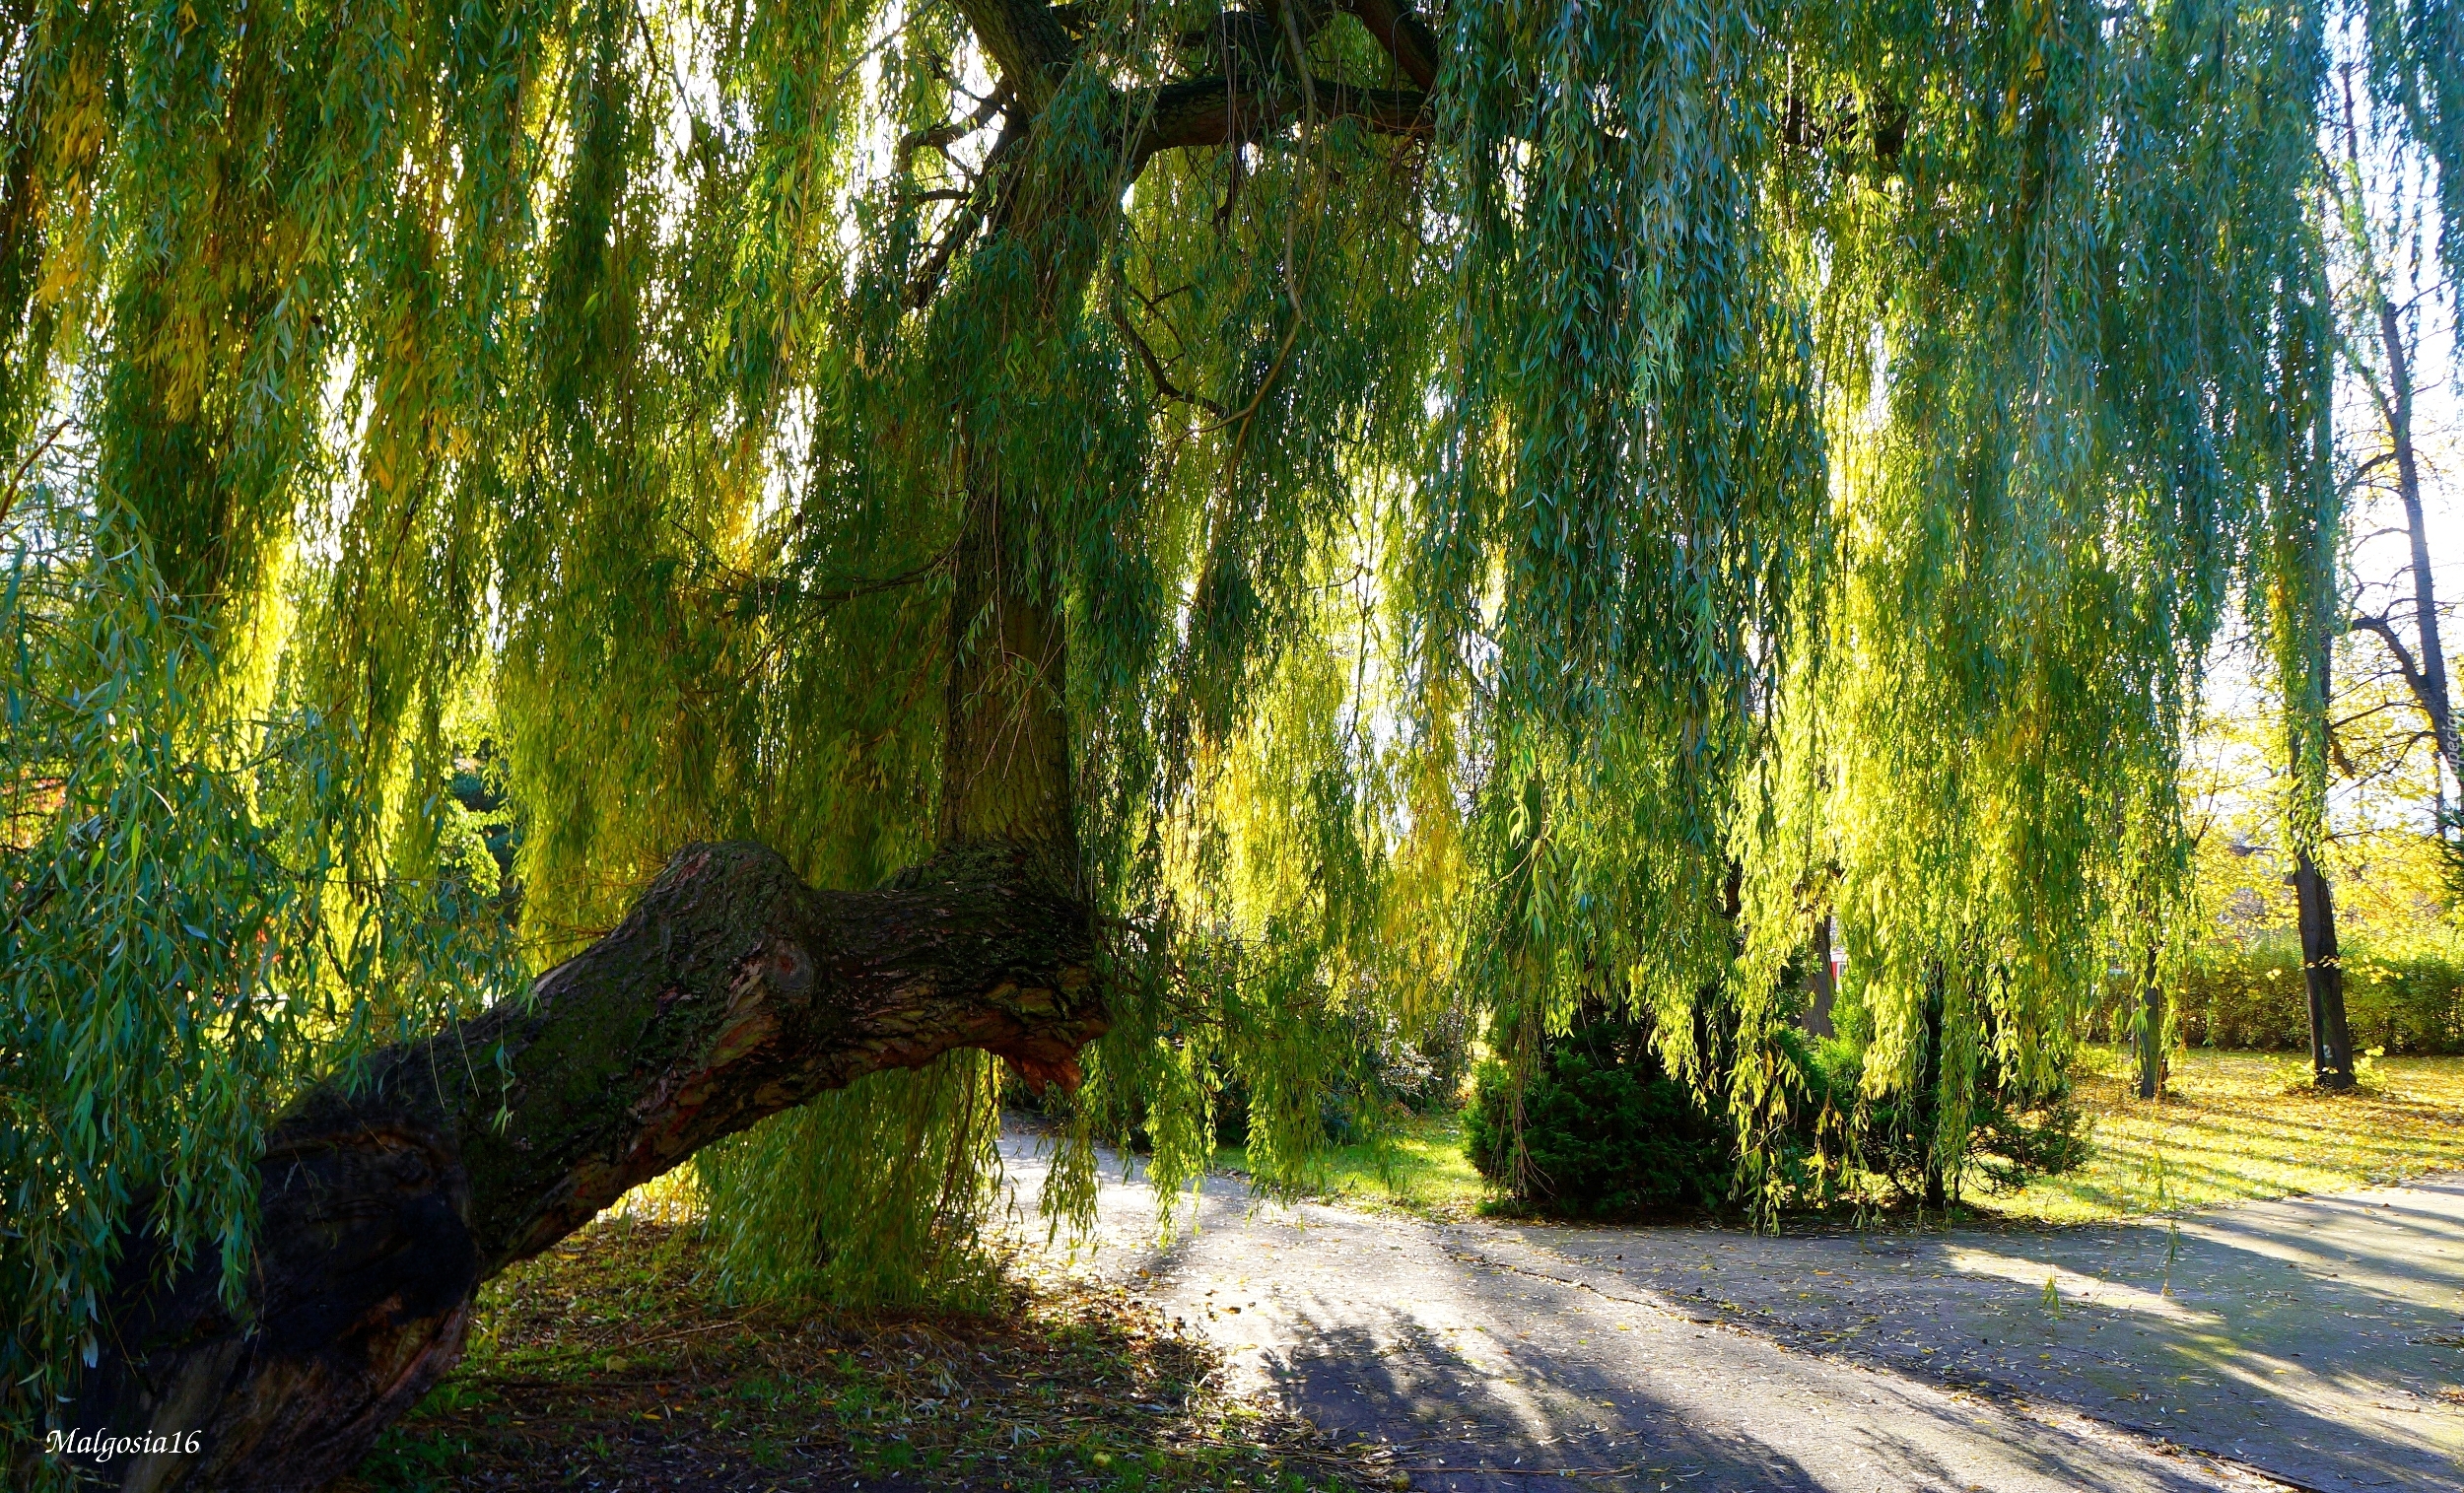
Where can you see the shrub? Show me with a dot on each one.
(1607, 1131)
(1608, 1134)
(2405, 997)
(2012, 1135)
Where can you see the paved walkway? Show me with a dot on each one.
(2319, 1341)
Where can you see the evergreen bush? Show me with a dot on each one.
(1607, 1131)
(1608, 1134)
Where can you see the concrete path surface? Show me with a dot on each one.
(2312, 1343)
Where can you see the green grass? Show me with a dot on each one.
(1422, 1167)
(2243, 1127)
(2233, 1128)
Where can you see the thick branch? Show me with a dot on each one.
(1210, 111)
(731, 992)
(1405, 35)
(1029, 43)
(942, 136)
(2404, 656)
(2425, 690)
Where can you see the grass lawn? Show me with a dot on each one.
(1422, 1169)
(2233, 1127)
(606, 1362)
(2239, 1126)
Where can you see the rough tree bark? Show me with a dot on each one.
(2322, 975)
(731, 992)
(2322, 965)
(1822, 985)
(2151, 1030)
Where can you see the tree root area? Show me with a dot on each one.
(610, 1363)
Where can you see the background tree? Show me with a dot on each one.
(1131, 499)
(2390, 286)
(2381, 236)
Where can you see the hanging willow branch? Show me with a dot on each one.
(1770, 465)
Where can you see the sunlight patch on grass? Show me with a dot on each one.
(2242, 1126)
(1424, 1170)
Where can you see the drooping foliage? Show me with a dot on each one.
(1536, 506)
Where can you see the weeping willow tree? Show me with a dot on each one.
(1138, 539)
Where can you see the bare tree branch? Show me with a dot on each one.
(1156, 367)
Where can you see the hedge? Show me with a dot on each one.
(2405, 998)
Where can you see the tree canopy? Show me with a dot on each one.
(1387, 511)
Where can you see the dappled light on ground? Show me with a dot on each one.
(1475, 1356)
(2239, 1126)
(610, 1363)
(2310, 1338)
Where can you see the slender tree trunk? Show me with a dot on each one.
(2430, 681)
(1936, 1179)
(2151, 1030)
(2426, 675)
(1817, 1020)
(2322, 973)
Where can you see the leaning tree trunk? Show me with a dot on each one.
(731, 992)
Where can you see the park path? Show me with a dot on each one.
(2308, 1340)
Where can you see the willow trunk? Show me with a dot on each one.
(2149, 1027)
(731, 992)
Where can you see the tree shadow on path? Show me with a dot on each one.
(2316, 1339)
(1477, 1356)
